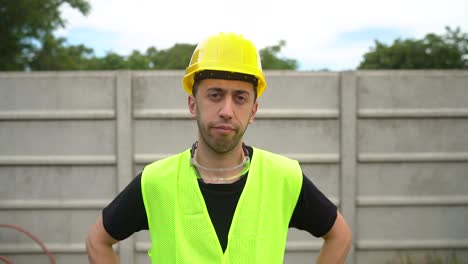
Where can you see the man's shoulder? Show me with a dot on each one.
(168, 159)
(272, 155)
(282, 172)
(278, 163)
(167, 163)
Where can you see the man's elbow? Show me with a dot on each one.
(347, 236)
(92, 244)
(340, 232)
(346, 231)
(99, 244)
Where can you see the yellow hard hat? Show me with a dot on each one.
(227, 52)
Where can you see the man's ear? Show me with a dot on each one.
(192, 105)
(253, 113)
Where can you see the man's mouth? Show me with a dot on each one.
(224, 129)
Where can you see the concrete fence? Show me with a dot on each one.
(389, 147)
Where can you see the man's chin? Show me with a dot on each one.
(222, 146)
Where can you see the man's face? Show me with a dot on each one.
(223, 109)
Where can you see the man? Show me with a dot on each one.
(221, 201)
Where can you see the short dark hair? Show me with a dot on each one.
(225, 75)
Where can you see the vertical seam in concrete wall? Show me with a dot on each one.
(124, 148)
(348, 125)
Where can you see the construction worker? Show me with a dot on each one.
(221, 201)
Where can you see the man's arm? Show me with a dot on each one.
(99, 244)
(337, 243)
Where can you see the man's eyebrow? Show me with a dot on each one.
(241, 92)
(217, 89)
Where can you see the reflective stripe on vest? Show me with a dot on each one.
(180, 227)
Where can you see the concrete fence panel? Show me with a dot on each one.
(390, 148)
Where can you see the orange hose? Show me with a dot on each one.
(33, 237)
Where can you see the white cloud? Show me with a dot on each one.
(309, 27)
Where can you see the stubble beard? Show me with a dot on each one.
(221, 145)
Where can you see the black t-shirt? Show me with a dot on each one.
(126, 214)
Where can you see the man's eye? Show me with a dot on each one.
(214, 95)
(241, 98)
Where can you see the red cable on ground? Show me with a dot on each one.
(33, 237)
(4, 259)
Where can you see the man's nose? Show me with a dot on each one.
(227, 109)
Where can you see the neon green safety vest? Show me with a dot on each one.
(180, 227)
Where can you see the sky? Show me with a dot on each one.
(327, 34)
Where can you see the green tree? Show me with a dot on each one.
(447, 51)
(138, 61)
(112, 61)
(176, 57)
(27, 43)
(25, 24)
(270, 59)
(54, 55)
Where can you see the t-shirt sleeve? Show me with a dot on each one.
(314, 212)
(126, 214)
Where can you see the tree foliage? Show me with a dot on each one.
(54, 55)
(176, 57)
(270, 59)
(25, 24)
(447, 51)
(27, 43)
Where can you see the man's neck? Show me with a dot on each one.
(219, 164)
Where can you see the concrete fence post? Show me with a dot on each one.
(348, 144)
(124, 148)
